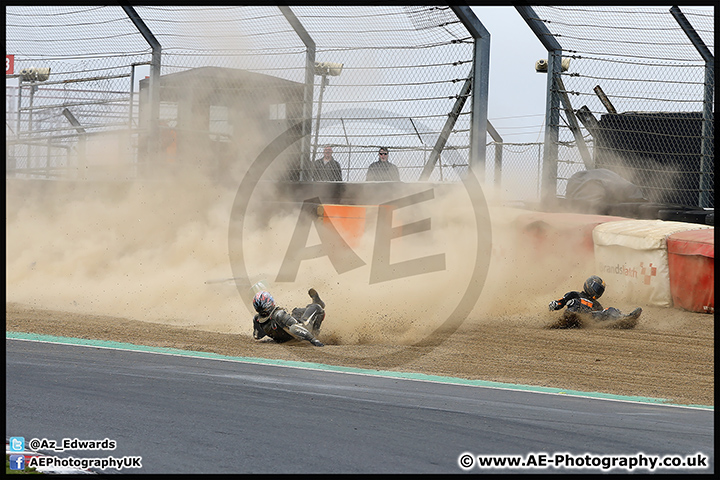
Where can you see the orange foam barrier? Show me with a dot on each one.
(691, 258)
(348, 220)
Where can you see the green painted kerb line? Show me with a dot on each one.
(334, 368)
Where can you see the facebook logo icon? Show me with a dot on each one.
(17, 462)
(17, 444)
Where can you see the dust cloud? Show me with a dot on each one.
(157, 251)
(141, 250)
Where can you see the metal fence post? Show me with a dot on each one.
(707, 155)
(552, 102)
(82, 143)
(305, 157)
(153, 145)
(480, 80)
(498, 153)
(573, 124)
(445, 133)
(19, 109)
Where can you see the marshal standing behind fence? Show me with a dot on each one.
(382, 170)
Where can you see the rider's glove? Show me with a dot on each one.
(554, 305)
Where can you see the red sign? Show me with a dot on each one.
(9, 64)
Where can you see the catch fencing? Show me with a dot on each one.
(630, 89)
(132, 92)
(138, 92)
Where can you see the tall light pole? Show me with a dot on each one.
(323, 69)
(33, 75)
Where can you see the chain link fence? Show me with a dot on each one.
(636, 97)
(75, 119)
(232, 80)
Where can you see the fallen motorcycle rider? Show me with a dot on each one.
(583, 309)
(274, 322)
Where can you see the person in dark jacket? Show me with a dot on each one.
(382, 170)
(584, 305)
(274, 322)
(326, 169)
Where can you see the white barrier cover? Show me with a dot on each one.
(631, 256)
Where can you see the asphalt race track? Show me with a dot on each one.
(184, 414)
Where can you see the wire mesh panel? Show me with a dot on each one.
(637, 84)
(85, 93)
(232, 80)
(390, 95)
(517, 178)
